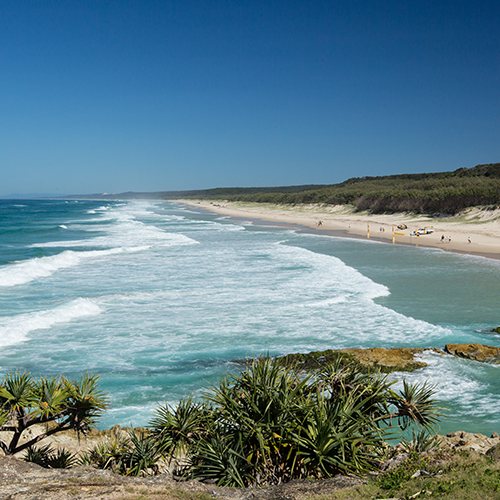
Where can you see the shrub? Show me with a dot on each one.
(46, 457)
(272, 423)
(26, 401)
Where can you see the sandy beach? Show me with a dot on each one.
(482, 227)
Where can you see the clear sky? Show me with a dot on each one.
(125, 95)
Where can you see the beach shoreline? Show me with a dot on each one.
(481, 226)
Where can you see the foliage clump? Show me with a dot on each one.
(272, 423)
(132, 455)
(58, 403)
(48, 458)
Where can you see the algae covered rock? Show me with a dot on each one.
(375, 358)
(496, 330)
(475, 351)
(388, 360)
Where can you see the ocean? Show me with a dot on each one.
(162, 300)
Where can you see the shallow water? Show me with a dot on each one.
(161, 300)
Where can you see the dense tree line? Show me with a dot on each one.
(442, 192)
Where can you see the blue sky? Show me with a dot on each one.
(124, 95)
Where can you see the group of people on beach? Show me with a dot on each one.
(448, 239)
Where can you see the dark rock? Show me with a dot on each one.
(494, 452)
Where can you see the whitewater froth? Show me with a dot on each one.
(15, 329)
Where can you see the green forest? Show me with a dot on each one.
(431, 193)
(442, 192)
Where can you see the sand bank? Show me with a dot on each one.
(481, 226)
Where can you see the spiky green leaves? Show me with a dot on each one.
(272, 423)
(46, 457)
(416, 404)
(85, 401)
(26, 401)
(178, 427)
(17, 393)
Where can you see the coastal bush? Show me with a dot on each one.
(108, 454)
(441, 192)
(132, 455)
(178, 427)
(58, 403)
(272, 423)
(422, 441)
(46, 457)
(141, 455)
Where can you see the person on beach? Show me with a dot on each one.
(468, 240)
(442, 238)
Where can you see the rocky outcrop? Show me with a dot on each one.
(385, 360)
(494, 452)
(388, 360)
(401, 359)
(477, 352)
(467, 441)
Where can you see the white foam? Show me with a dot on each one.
(459, 382)
(41, 267)
(15, 329)
(126, 231)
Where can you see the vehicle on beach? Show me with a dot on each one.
(402, 226)
(424, 230)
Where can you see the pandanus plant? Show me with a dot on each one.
(59, 403)
(272, 423)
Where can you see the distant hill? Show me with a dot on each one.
(441, 192)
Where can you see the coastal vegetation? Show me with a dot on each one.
(58, 403)
(272, 423)
(443, 192)
(266, 425)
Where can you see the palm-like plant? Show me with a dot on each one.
(46, 457)
(86, 402)
(107, 454)
(416, 404)
(261, 408)
(141, 455)
(272, 423)
(26, 401)
(178, 427)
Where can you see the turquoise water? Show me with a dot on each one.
(161, 300)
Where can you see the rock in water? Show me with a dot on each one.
(385, 360)
(477, 352)
(388, 360)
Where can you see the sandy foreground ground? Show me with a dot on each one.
(481, 226)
